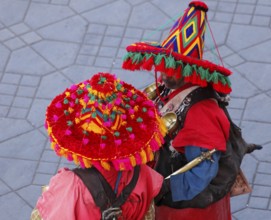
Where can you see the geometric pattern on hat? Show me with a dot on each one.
(180, 54)
(187, 34)
(104, 122)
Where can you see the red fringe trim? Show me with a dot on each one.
(148, 64)
(161, 67)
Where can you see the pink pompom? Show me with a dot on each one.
(109, 106)
(131, 111)
(129, 94)
(118, 101)
(72, 104)
(123, 117)
(68, 132)
(85, 141)
(73, 96)
(107, 124)
(143, 126)
(102, 145)
(69, 157)
(132, 136)
(73, 87)
(58, 105)
(151, 113)
(96, 104)
(118, 142)
(86, 99)
(55, 118)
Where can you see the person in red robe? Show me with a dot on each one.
(179, 59)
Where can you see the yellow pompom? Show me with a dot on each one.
(70, 110)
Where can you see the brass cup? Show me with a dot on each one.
(171, 121)
(150, 91)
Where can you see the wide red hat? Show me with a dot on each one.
(104, 122)
(180, 54)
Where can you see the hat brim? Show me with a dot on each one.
(76, 129)
(148, 56)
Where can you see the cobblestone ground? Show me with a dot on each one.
(46, 45)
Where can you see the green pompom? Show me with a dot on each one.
(69, 123)
(139, 119)
(117, 134)
(65, 101)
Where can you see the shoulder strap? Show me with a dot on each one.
(102, 193)
(91, 179)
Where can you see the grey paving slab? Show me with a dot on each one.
(26, 146)
(262, 77)
(45, 45)
(109, 13)
(12, 11)
(57, 82)
(71, 29)
(263, 112)
(21, 170)
(33, 63)
(243, 36)
(40, 15)
(58, 54)
(4, 56)
(37, 112)
(13, 207)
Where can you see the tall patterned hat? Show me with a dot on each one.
(104, 122)
(180, 54)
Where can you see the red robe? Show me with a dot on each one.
(68, 198)
(205, 126)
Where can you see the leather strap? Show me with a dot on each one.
(102, 193)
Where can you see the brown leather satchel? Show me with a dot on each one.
(240, 186)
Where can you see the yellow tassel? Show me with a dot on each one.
(105, 165)
(158, 140)
(49, 130)
(75, 159)
(150, 153)
(67, 94)
(132, 160)
(53, 144)
(143, 156)
(87, 163)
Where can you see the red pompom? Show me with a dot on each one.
(161, 67)
(148, 64)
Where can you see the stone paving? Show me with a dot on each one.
(46, 45)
